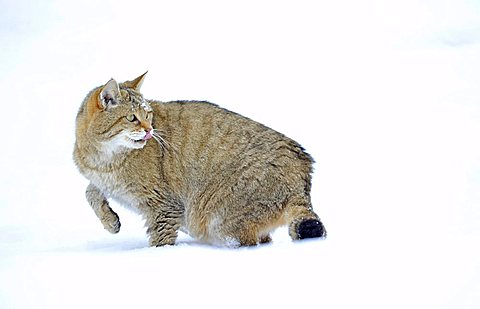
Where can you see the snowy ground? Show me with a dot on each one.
(385, 95)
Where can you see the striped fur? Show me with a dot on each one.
(216, 175)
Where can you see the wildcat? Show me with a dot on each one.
(191, 166)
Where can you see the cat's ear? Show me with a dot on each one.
(109, 94)
(136, 84)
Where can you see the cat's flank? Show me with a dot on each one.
(191, 166)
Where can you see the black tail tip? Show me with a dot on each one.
(311, 228)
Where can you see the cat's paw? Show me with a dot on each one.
(111, 222)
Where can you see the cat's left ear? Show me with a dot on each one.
(136, 84)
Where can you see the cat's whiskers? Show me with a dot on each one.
(159, 138)
(159, 141)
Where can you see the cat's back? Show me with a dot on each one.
(200, 129)
(213, 142)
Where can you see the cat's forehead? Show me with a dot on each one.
(135, 99)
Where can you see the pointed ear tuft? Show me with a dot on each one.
(136, 84)
(109, 94)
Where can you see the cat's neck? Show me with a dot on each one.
(98, 157)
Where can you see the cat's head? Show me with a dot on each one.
(117, 116)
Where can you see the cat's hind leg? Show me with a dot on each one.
(244, 229)
(99, 203)
(250, 237)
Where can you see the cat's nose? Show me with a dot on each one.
(148, 134)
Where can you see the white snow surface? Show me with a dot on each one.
(385, 95)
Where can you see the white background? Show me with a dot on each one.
(383, 94)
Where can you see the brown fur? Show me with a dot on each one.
(218, 176)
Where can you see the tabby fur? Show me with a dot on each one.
(191, 166)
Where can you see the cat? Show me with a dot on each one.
(191, 166)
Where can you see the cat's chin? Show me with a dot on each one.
(136, 144)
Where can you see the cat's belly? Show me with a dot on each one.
(125, 198)
(127, 201)
(205, 226)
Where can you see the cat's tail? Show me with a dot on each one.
(304, 223)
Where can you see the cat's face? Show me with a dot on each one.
(124, 118)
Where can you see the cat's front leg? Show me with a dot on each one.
(163, 228)
(99, 203)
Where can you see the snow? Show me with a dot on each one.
(383, 94)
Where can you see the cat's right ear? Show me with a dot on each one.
(109, 94)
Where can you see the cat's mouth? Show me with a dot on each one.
(138, 141)
(148, 135)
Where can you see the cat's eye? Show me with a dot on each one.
(148, 115)
(131, 118)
